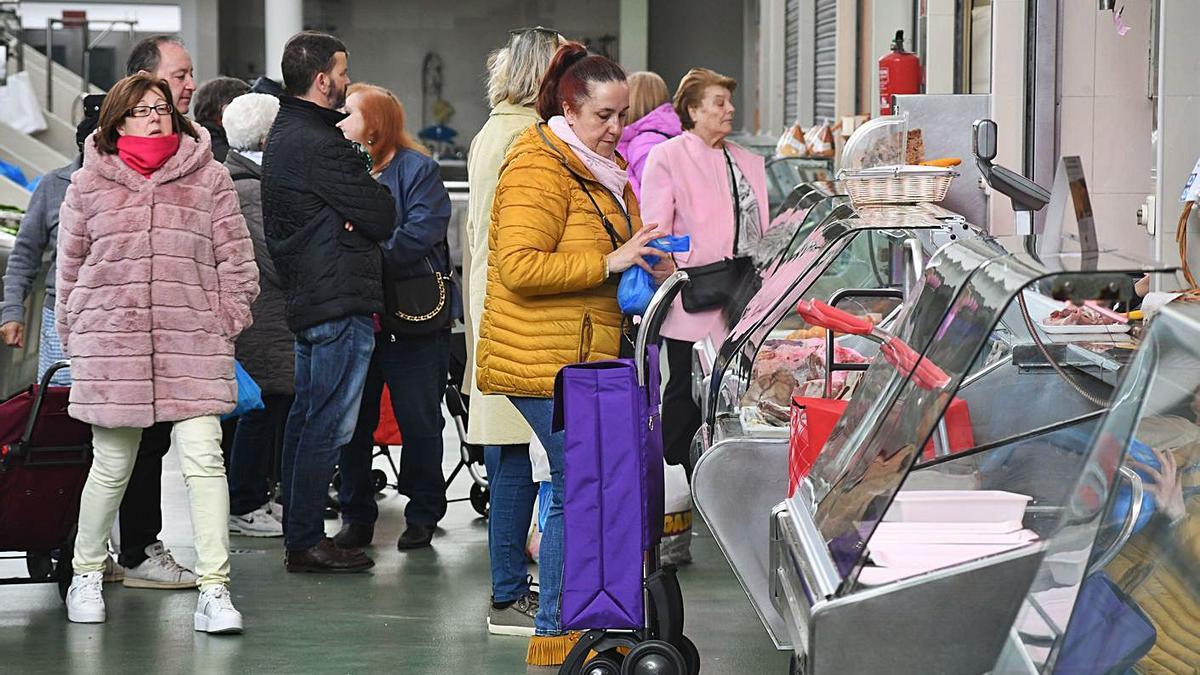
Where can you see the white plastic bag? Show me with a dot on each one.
(676, 548)
(540, 460)
(19, 106)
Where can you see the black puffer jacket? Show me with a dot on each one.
(313, 183)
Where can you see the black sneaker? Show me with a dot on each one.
(516, 619)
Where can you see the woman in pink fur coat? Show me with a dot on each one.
(156, 274)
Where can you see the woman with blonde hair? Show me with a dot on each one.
(412, 349)
(652, 120)
(514, 75)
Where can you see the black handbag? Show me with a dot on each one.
(417, 306)
(715, 284)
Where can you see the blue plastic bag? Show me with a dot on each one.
(249, 394)
(637, 286)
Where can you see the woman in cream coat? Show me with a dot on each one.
(514, 73)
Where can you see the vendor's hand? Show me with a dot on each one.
(14, 333)
(630, 253)
(1142, 286)
(1166, 488)
(662, 269)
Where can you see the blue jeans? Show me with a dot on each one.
(331, 366)
(256, 441)
(511, 493)
(538, 413)
(416, 371)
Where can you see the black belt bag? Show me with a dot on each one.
(714, 285)
(418, 305)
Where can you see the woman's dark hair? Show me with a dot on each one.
(212, 97)
(124, 95)
(570, 76)
(305, 56)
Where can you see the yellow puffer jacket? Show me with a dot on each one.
(548, 304)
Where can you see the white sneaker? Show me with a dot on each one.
(215, 612)
(275, 509)
(257, 523)
(112, 571)
(85, 599)
(159, 571)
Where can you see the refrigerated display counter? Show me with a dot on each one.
(873, 562)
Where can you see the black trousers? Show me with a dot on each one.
(141, 508)
(680, 414)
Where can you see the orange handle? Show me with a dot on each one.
(820, 314)
(924, 372)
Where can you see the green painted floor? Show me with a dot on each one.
(416, 612)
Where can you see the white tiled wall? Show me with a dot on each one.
(1106, 118)
(1179, 129)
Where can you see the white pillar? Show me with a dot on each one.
(200, 33)
(634, 36)
(284, 18)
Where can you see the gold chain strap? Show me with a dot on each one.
(441, 284)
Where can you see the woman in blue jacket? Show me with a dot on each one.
(412, 346)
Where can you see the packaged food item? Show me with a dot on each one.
(792, 143)
(819, 141)
(915, 151)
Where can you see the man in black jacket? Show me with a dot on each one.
(324, 217)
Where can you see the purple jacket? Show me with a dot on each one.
(657, 126)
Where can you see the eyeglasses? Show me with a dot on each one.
(145, 110)
(549, 32)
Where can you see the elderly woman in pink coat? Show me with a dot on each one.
(156, 274)
(715, 191)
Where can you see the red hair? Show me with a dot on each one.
(383, 115)
(571, 73)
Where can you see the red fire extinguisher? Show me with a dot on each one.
(900, 72)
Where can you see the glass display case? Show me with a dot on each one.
(879, 250)
(1118, 589)
(875, 257)
(927, 555)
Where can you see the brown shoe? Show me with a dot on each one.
(325, 558)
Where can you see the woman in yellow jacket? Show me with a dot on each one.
(564, 226)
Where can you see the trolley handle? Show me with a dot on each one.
(38, 398)
(830, 318)
(925, 374)
(653, 317)
(872, 333)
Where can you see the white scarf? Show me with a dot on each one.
(608, 172)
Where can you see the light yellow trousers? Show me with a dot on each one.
(198, 442)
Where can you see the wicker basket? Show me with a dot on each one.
(898, 184)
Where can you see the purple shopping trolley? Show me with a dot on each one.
(614, 587)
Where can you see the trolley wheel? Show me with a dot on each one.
(479, 499)
(691, 655)
(379, 480)
(40, 565)
(608, 663)
(654, 657)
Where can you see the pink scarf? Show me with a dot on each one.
(605, 170)
(147, 154)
